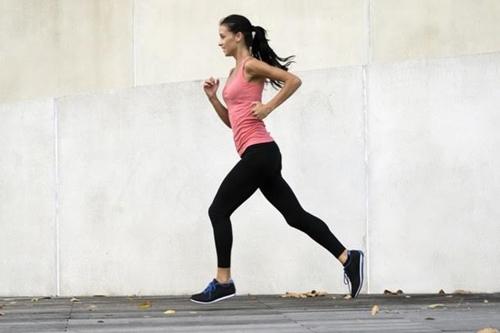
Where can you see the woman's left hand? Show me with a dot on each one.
(260, 110)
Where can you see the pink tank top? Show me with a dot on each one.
(238, 95)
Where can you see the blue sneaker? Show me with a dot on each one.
(353, 271)
(215, 292)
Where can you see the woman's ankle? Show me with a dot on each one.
(223, 278)
(343, 257)
(223, 274)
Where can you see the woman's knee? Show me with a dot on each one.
(216, 213)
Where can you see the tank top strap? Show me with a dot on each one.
(243, 64)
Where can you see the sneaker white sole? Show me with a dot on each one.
(214, 301)
(361, 266)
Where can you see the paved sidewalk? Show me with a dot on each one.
(253, 313)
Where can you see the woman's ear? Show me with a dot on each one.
(239, 36)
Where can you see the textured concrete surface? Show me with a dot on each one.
(403, 30)
(433, 171)
(53, 48)
(253, 313)
(27, 189)
(322, 34)
(138, 168)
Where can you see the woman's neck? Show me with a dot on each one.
(242, 56)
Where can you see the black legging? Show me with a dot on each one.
(260, 167)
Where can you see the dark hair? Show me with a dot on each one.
(258, 44)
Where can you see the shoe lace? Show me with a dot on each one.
(211, 287)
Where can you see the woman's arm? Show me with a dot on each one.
(220, 109)
(291, 82)
(210, 86)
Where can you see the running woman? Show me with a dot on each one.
(259, 166)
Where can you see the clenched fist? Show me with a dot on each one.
(210, 86)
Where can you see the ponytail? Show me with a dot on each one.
(261, 50)
(256, 39)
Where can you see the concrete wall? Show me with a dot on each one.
(60, 47)
(107, 191)
(138, 168)
(27, 204)
(433, 143)
(55, 47)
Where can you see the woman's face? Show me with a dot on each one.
(228, 41)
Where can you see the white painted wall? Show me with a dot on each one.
(433, 143)
(27, 203)
(137, 169)
(54, 48)
(107, 191)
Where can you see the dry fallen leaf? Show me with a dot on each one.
(433, 306)
(74, 299)
(488, 330)
(145, 305)
(375, 309)
(92, 307)
(169, 312)
(312, 293)
(389, 292)
(462, 292)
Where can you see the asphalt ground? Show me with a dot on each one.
(253, 313)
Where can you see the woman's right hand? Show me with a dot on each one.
(210, 86)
